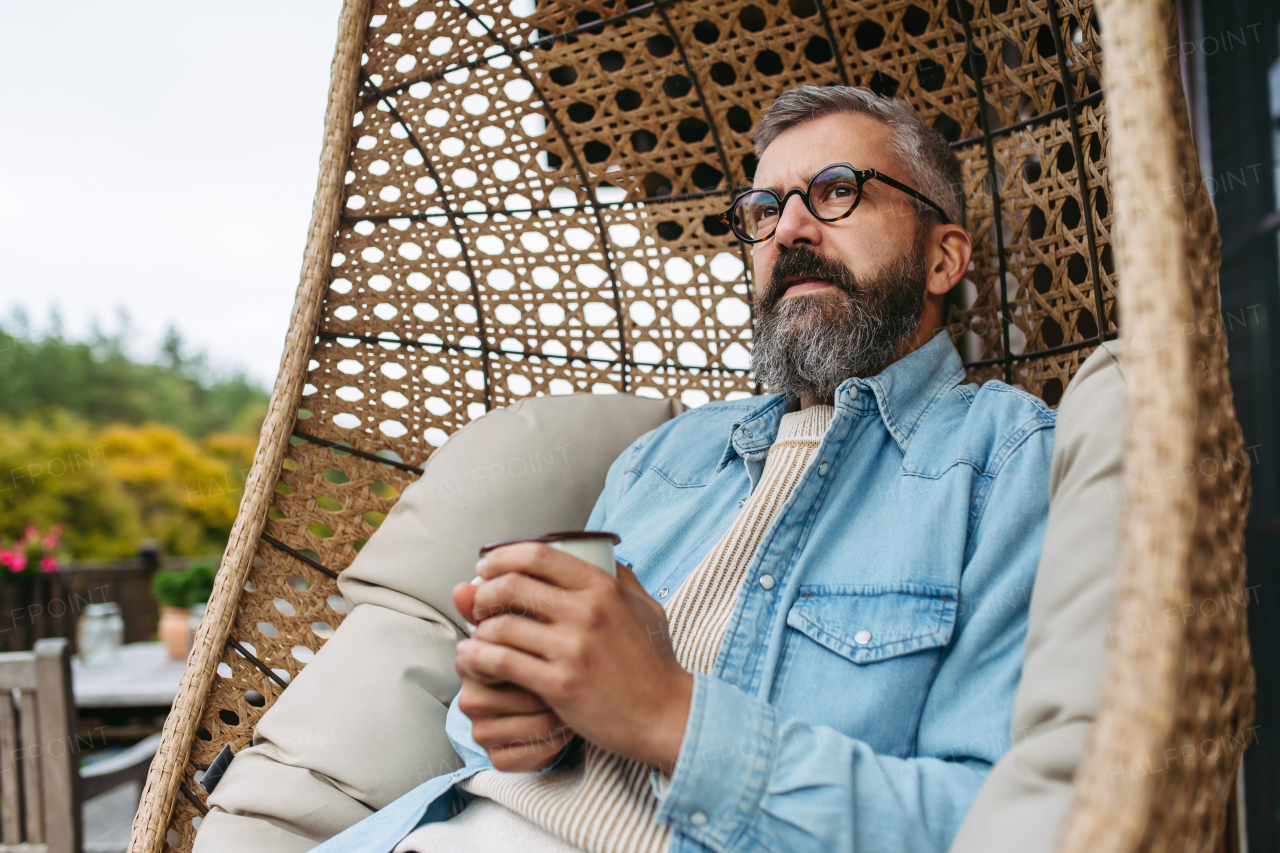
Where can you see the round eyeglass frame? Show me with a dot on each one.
(860, 175)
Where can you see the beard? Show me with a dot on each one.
(808, 344)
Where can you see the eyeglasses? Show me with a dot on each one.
(832, 195)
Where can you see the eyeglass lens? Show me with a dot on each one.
(833, 193)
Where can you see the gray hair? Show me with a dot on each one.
(934, 169)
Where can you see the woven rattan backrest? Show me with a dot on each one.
(532, 200)
(520, 198)
(1177, 706)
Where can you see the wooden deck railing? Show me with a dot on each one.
(49, 605)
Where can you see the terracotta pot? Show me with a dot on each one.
(173, 630)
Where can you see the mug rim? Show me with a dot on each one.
(559, 536)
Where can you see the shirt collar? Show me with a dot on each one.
(906, 390)
(755, 432)
(903, 393)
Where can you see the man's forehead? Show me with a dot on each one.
(799, 152)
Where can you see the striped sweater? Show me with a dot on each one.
(606, 804)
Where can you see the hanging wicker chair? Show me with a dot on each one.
(519, 200)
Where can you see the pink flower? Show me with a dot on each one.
(33, 532)
(48, 564)
(15, 562)
(51, 538)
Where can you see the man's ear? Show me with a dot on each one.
(949, 250)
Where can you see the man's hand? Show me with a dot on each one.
(517, 729)
(595, 649)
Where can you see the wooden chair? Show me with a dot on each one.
(41, 788)
(518, 197)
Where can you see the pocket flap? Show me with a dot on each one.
(868, 624)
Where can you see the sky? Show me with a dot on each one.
(159, 160)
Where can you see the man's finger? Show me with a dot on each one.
(486, 700)
(464, 597)
(526, 635)
(523, 757)
(539, 560)
(519, 594)
(490, 663)
(531, 730)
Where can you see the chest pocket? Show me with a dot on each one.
(867, 624)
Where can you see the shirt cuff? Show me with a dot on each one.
(729, 746)
(457, 726)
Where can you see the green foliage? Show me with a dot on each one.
(183, 589)
(113, 487)
(171, 588)
(200, 583)
(118, 451)
(100, 383)
(54, 469)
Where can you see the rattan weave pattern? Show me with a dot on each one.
(529, 208)
(1178, 700)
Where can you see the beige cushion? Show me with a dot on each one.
(364, 722)
(1022, 804)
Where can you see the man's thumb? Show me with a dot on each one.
(631, 583)
(628, 578)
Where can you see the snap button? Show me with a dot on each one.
(662, 593)
(746, 431)
(698, 817)
(852, 394)
(822, 469)
(862, 637)
(766, 581)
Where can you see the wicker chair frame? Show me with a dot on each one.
(517, 200)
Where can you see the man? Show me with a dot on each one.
(816, 631)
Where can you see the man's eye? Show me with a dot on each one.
(841, 192)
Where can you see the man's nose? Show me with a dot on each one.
(796, 224)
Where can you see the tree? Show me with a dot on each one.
(98, 381)
(54, 470)
(115, 486)
(118, 450)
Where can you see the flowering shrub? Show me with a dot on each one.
(33, 554)
(115, 486)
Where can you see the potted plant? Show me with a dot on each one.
(200, 583)
(172, 590)
(182, 597)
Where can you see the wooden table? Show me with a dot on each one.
(143, 681)
(143, 676)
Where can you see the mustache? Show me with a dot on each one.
(804, 263)
(807, 347)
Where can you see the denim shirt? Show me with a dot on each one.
(865, 682)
